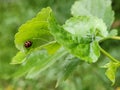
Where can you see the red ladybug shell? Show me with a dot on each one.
(27, 44)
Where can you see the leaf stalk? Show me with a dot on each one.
(108, 55)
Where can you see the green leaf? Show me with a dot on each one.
(19, 58)
(32, 60)
(111, 70)
(99, 8)
(38, 61)
(80, 35)
(35, 30)
(45, 63)
(69, 68)
(52, 47)
(113, 32)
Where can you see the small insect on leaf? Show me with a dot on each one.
(28, 44)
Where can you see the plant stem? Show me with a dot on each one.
(108, 55)
(116, 37)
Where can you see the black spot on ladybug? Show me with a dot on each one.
(27, 44)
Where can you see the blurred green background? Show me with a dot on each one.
(13, 13)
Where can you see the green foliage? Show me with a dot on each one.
(68, 70)
(49, 62)
(113, 32)
(19, 58)
(37, 61)
(81, 44)
(99, 8)
(111, 70)
(35, 31)
(80, 35)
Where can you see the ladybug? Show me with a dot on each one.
(27, 44)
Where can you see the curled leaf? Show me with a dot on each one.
(35, 30)
(19, 58)
(111, 70)
(80, 35)
(35, 34)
